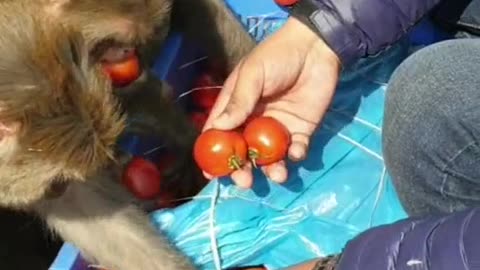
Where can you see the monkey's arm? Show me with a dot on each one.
(215, 27)
(151, 113)
(108, 231)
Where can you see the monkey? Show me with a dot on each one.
(60, 117)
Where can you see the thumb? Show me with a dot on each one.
(246, 92)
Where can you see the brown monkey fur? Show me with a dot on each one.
(60, 118)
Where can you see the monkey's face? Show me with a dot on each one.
(112, 28)
(59, 120)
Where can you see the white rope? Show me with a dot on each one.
(213, 239)
(358, 119)
(263, 17)
(383, 84)
(357, 144)
(197, 89)
(381, 186)
(154, 149)
(193, 62)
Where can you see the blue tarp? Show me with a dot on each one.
(339, 191)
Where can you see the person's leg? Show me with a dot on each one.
(431, 132)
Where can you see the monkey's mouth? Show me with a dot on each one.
(119, 62)
(111, 51)
(117, 54)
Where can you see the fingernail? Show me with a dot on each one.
(297, 151)
(276, 176)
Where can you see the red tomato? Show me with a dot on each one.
(205, 98)
(219, 152)
(142, 178)
(124, 72)
(198, 119)
(286, 3)
(267, 140)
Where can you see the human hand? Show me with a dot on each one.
(291, 76)
(326, 263)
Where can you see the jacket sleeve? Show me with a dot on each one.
(439, 243)
(358, 28)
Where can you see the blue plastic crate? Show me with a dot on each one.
(260, 18)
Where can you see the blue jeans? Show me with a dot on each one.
(431, 133)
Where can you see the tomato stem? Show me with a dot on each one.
(253, 156)
(235, 162)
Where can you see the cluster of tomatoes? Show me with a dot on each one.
(263, 141)
(143, 177)
(204, 94)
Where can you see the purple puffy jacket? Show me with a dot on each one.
(358, 28)
(450, 242)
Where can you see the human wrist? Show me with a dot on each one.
(312, 43)
(328, 263)
(322, 17)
